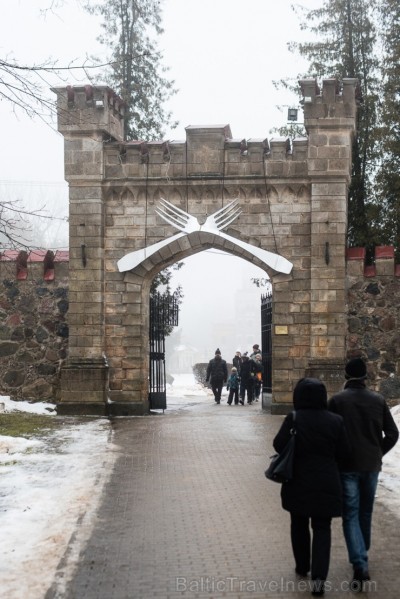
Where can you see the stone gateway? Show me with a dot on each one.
(293, 203)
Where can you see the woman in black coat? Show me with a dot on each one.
(315, 491)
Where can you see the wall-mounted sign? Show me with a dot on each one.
(281, 329)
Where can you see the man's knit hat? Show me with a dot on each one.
(356, 369)
(217, 351)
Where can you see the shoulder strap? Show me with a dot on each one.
(293, 429)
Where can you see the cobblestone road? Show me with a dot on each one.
(187, 513)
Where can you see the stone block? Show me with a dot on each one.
(340, 165)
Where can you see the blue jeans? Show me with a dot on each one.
(358, 501)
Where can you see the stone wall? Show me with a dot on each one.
(373, 305)
(33, 327)
(292, 200)
(34, 331)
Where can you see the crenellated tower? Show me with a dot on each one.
(293, 198)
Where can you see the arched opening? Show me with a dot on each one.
(220, 309)
(221, 306)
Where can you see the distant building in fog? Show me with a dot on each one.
(180, 357)
(221, 308)
(244, 329)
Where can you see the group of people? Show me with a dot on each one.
(245, 380)
(339, 445)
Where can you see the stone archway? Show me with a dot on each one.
(293, 201)
(136, 350)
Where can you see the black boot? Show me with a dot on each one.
(318, 588)
(359, 576)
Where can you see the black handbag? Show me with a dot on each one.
(280, 469)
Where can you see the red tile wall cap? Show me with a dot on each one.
(370, 271)
(384, 251)
(33, 256)
(355, 253)
(37, 255)
(9, 255)
(61, 256)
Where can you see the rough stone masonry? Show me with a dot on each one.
(294, 203)
(293, 199)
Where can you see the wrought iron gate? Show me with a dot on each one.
(266, 340)
(164, 312)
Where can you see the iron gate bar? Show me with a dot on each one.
(164, 313)
(266, 340)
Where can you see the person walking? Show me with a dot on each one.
(314, 495)
(247, 374)
(217, 375)
(233, 386)
(256, 350)
(237, 361)
(372, 432)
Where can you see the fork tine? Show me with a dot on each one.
(223, 225)
(226, 208)
(170, 218)
(173, 208)
(169, 213)
(228, 217)
(173, 211)
(164, 216)
(177, 216)
(232, 210)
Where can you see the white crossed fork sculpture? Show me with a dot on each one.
(214, 224)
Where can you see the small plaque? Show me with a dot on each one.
(281, 329)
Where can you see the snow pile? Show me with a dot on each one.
(47, 486)
(26, 406)
(184, 385)
(389, 478)
(15, 446)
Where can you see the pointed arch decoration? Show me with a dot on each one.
(215, 223)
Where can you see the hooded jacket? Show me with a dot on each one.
(369, 424)
(321, 441)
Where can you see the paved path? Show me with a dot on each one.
(188, 513)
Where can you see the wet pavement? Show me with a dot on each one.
(188, 513)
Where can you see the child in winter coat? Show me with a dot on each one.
(233, 386)
(258, 375)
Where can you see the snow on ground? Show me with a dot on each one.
(389, 478)
(25, 406)
(184, 385)
(185, 390)
(46, 486)
(49, 484)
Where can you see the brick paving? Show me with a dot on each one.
(187, 513)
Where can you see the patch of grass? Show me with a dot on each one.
(23, 424)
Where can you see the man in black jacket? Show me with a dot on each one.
(372, 433)
(217, 374)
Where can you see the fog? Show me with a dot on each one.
(40, 213)
(221, 309)
(224, 57)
